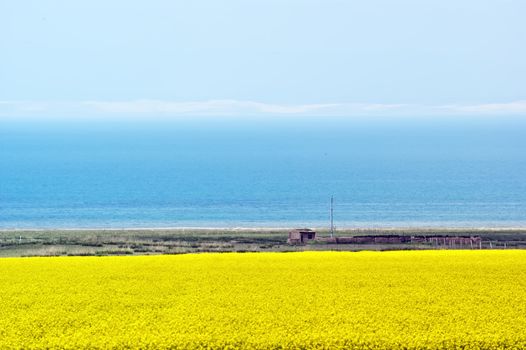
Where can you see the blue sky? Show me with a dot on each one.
(294, 57)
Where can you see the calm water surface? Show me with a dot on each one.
(452, 172)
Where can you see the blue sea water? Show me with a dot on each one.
(259, 173)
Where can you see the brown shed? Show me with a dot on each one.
(301, 235)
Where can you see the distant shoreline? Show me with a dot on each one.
(274, 228)
(182, 240)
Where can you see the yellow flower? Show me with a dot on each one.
(327, 300)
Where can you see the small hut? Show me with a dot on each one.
(301, 235)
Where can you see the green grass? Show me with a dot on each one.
(180, 241)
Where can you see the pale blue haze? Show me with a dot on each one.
(273, 51)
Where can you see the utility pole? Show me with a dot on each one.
(332, 216)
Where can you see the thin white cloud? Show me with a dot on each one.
(221, 107)
(516, 107)
(164, 108)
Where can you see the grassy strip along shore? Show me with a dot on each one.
(191, 240)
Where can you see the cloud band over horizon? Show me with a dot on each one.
(239, 108)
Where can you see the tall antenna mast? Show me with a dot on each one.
(332, 216)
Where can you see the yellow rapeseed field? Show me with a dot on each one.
(414, 299)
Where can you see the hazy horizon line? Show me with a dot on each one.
(247, 108)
